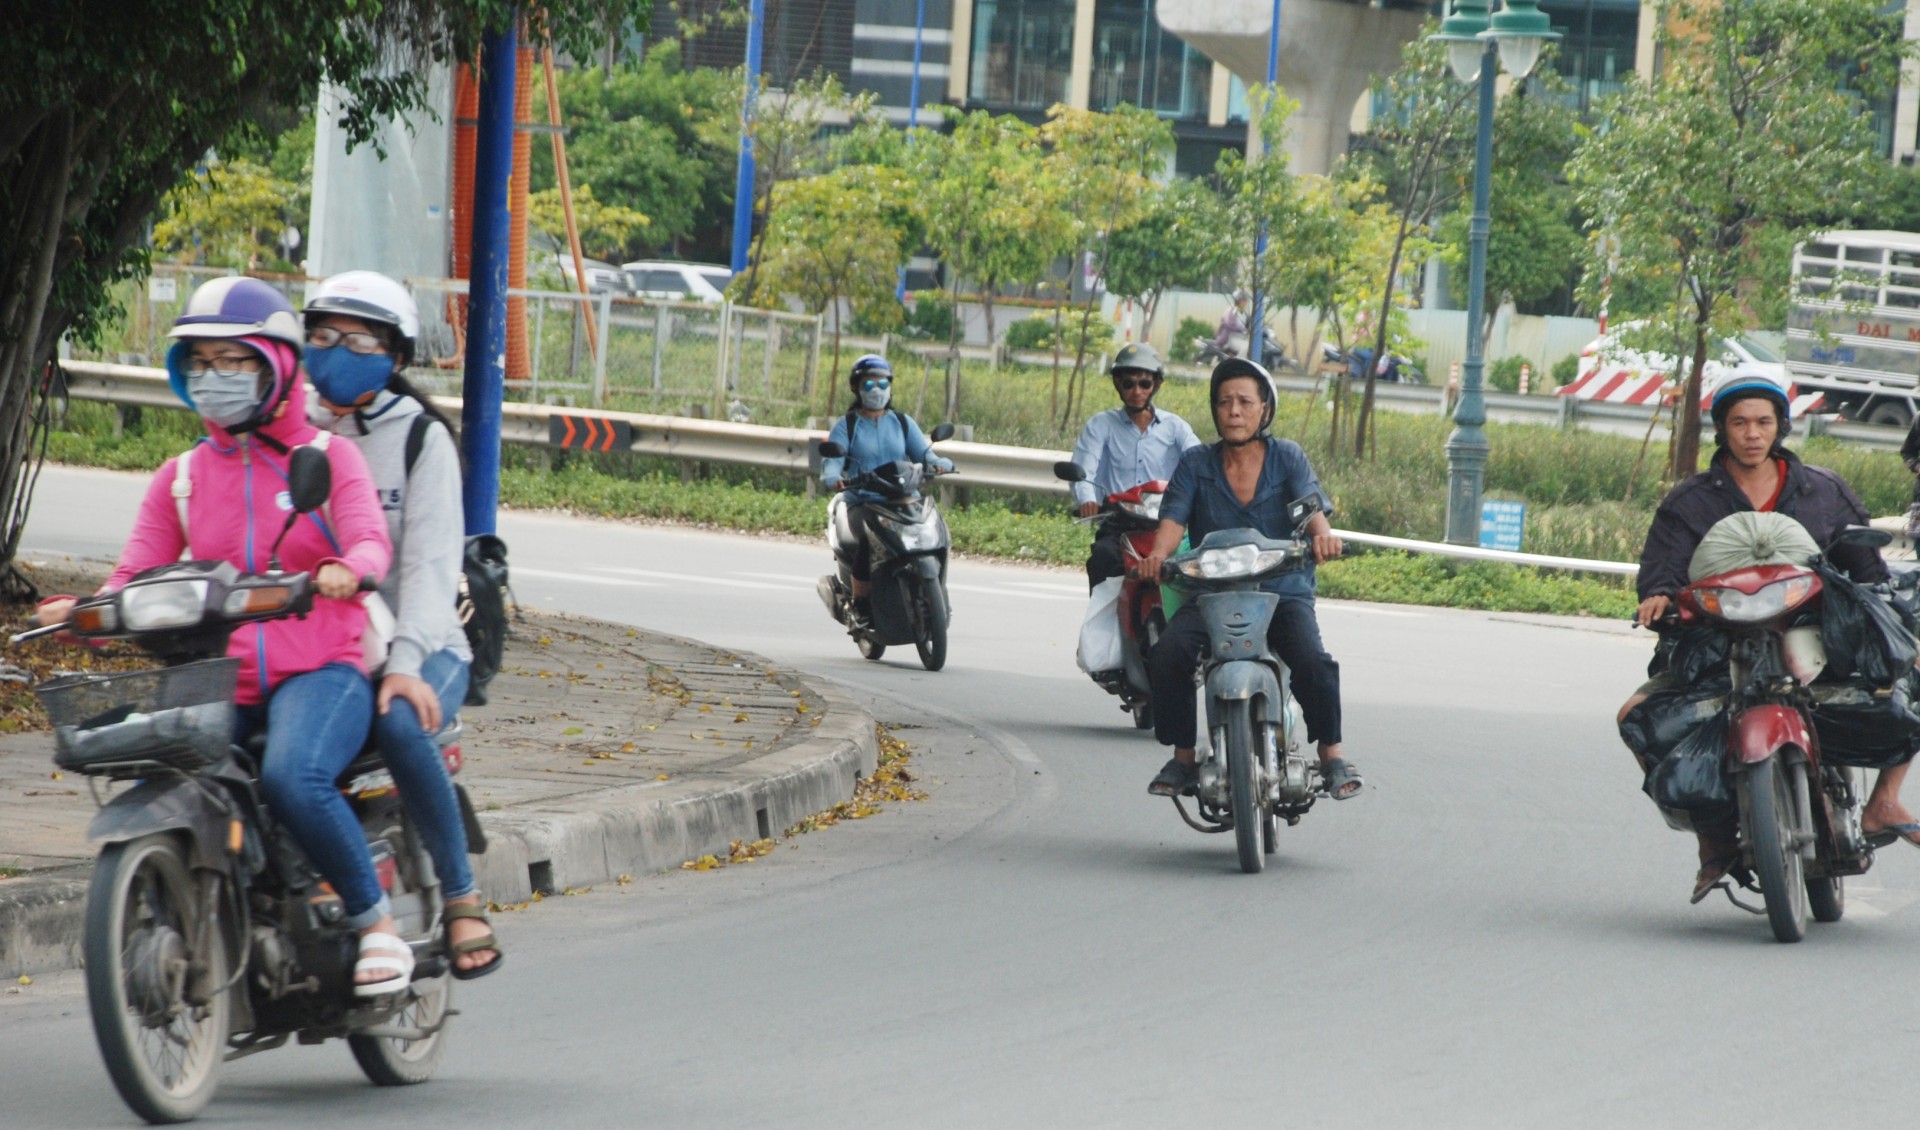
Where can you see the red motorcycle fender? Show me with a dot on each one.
(1759, 732)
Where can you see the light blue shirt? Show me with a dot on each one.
(894, 436)
(1117, 455)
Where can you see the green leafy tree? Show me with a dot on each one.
(656, 138)
(229, 214)
(1184, 238)
(836, 240)
(1742, 143)
(789, 138)
(1107, 167)
(102, 111)
(607, 231)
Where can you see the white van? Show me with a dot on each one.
(676, 281)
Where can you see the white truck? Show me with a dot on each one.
(1853, 330)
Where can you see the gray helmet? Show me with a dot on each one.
(1138, 356)
(1238, 368)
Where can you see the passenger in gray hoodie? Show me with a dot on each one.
(361, 328)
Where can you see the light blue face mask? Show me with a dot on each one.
(874, 399)
(342, 377)
(226, 399)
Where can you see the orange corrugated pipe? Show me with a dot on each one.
(466, 114)
(519, 364)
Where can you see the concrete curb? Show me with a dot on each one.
(550, 846)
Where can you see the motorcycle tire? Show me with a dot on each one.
(1766, 795)
(393, 1061)
(868, 648)
(1270, 763)
(1143, 714)
(163, 1052)
(930, 609)
(1827, 898)
(1243, 778)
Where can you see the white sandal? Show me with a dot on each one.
(390, 954)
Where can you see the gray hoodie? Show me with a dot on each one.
(424, 519)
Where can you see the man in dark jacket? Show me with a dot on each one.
(1751, 470)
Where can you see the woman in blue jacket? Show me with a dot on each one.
(873, 434)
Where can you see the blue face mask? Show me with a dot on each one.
(874, 399)
(342, 377)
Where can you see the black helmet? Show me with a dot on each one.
(1138, 356)
(1234, 368)
(869, 365)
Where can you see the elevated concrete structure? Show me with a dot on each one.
(1329, 51)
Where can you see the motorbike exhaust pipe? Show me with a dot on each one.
(831, 599)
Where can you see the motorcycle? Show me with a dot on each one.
(1254, 771)
(1800, 828)
(1136, 511)
(907, 558)
(208, 935)
(1273, 357)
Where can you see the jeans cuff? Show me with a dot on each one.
(372, 914)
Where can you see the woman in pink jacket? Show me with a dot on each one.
(303, 680)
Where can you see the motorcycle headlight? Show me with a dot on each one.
(1148, 507)
(917, 535)
(1234, 561)
(153, 608)
(1748, 608)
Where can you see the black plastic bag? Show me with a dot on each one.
(1693, 775)
(1866, 727)
(1863, 635)
(1659, 723)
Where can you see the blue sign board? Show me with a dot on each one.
(1501, 523)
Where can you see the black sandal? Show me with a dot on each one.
(486, 941)
(1175, 778)
(1336, 775)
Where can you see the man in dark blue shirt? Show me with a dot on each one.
(1245, 481)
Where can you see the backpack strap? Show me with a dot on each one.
(416, 439)
(183, 490)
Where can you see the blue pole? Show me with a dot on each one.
(484, 386)
(913, 112)
(743, 184)
(1257, 332)
(1467, 446)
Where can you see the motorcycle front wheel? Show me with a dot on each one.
(160, 1010)
(930, 609)
(1766, 793)
(1243, 778)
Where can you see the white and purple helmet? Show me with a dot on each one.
(238, 306)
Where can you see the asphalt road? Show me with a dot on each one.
(1495, 934)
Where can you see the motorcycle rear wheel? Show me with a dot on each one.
(930, 609)
(868, 648)
(1767, 792)
(394, 1061)
(1243, 778)
(163, 1053)
(1827, 898)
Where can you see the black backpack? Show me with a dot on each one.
(482, 597)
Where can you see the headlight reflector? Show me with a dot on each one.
(174, 604)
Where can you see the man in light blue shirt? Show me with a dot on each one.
(1124, 447)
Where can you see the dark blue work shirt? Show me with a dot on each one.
(1200, 498)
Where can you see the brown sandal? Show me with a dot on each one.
(1710, 874)
(486, 941)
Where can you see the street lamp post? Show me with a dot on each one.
(1476, 48)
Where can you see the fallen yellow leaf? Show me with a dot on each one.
(25, 980)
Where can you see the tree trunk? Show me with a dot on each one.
(953, 351)
(1363, 425)
(1686, 433)
(986, 305)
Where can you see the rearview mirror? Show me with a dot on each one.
(1863, 536)
(831, 450)
(1300, 510)
(942, 431)
(1067, 471)
(309, 478)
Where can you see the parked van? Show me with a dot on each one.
(1853, 329)
(676, 281)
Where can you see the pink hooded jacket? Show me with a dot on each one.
(238, 505)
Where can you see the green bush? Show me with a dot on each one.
(1186, 331)
(1565, 369)
(929, 317)
(1504, 374)
(1037, 332)
(1031, 333)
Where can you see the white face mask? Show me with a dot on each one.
(226, 399)
(874, 399)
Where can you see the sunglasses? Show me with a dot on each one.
(1137, 382)
(881, 382)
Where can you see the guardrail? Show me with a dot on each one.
(986, 465)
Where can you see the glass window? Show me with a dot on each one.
(1758, 351)
(1136, 61)
(660, 282)
(1599, 45)
(1022, 52)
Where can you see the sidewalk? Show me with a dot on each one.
(604, 751)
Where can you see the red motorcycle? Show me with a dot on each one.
(1799, 813)
(1136, 512)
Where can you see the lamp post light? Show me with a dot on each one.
(1477, 46)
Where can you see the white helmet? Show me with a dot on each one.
(371, 297)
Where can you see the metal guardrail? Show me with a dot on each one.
(987, 465)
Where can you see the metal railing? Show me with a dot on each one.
(985, 465)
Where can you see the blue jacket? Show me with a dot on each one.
(894, 436)
(1200, 498)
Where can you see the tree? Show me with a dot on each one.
(788, 141)
(606, 230)
(1107, 165)
(656, 138)
(1184, 238)
(229, 214)
(1743, 141)
(840, 237)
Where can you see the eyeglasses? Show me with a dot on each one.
(875, 383)
(225, 365)
(1137, 382)
(326, 337)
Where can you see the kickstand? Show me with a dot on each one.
(1727, 887)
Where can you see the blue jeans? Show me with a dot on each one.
(316, 723)
(413, 757)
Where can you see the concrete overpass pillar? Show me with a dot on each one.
(1329, 51)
